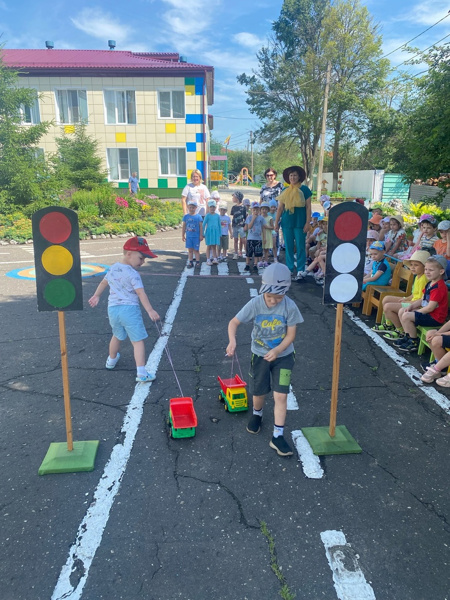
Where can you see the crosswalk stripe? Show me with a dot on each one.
(310, 462)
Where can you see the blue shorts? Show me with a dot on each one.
(238, 232)
(126, 320)
(192, 242)
(425, 320)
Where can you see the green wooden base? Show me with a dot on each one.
(321, 443)
(59, 460)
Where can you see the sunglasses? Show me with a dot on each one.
(270, 175)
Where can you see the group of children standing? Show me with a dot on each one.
(251, 226)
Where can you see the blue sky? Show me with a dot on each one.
(223, 33)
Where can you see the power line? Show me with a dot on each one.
(422, 51)
(414, 38)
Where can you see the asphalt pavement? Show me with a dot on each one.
(219, 515)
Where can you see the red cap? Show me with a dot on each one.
(139, 244)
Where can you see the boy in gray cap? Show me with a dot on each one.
(275, 318)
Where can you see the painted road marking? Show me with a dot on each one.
(310, 462)
(441, 400)
(241, 267)
(350, 584)
(292, 403)
(90, 531)
(253, 292)
(222, 268)
(205, 269)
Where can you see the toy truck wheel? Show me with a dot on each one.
(220, 397)
(225, 406)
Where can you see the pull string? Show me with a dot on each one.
(238, 364)
(166, 348)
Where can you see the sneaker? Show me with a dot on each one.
(235, 256)
(304, 274)
(431, 375)
(255, 269)
(401, 340)
(396, 334)
(425, 365)
(215, 261)
(320, 281)
(209, 262)
(444, 381)
(261, 264)
(383, 328)
(146, 378)
(254, 425)
(411, 345)
(281, 446)
(247, 268)
(190, 264)
(111, 363)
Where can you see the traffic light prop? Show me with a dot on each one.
(344, 272)
(58, 283)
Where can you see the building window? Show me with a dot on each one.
(171, 105)
(31, 114)
(72, 106)
(122, 162)
(172, 161)
(120, 107)
(39, 153)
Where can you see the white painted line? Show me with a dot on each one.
(349, 583)
(292, 403)
(253, 292)
(310, 462)
(241, 267)
(222, 268)
(90, 531)
(205, 269)
(441, 400)
(250, 280)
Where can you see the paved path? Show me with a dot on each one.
(206, 517)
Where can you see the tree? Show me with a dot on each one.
(76, 162)
(424, 151)
(286, 91)
(353, 46)
(23, 175)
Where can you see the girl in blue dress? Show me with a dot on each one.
(211, 233)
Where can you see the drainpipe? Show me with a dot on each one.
(204, 131)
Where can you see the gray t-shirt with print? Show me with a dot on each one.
(270, 324)
(255, 233)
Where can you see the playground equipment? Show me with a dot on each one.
(233, 394)
(243, 177)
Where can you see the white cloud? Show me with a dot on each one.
(248, 40)
(101, 25)
(236, 62)
(427, 12)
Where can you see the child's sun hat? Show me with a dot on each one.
(399, 220)
(212, 203)
(419, 256)
(255, 205)
(377, 246)
(139, 244)
(192, 202)
(373, 235)
(246, 201)
(276, 279)
(215, 195)
(273, 203)
(265, 204)
(316, 215)
(238, 195)
(428, 219)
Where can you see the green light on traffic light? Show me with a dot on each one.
(59, 293)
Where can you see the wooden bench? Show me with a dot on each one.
(402, 282)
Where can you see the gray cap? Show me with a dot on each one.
(439, 259)
(444, 226)
(276, 279)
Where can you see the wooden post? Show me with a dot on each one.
(65, 375)
(336, 366)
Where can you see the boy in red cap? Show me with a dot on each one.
(124, 313)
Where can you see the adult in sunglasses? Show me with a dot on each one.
(272, 188)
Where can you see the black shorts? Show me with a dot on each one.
(445, 341)
(425, 320)
(274, 375)
(254, 248)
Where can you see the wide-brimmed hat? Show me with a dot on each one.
(373, 235)
(420, 256)
(398, 218)
(139, 244)
(375, 219)
(300, 170)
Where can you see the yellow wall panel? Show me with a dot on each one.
(121, 137)
(171, 127)
(69, 128)
(200, 155)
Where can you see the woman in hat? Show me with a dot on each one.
(395, 240)
(294, 215)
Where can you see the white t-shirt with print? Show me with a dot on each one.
(123, 282)
(199, 193)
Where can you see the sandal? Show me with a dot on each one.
(383, 327)
(395, 334)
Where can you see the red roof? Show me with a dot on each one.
(96, 59)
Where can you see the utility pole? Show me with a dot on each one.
(322, 135)
(251, 146)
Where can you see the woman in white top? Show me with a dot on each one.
(197, 189)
